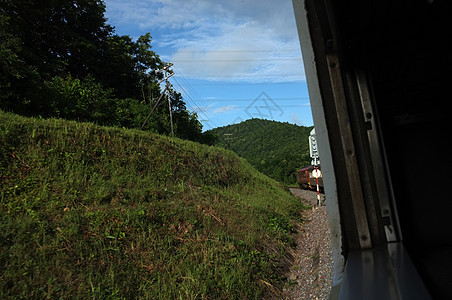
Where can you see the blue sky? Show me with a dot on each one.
(233, 59)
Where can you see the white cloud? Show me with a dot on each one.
(296, 119)
(223, 109)
(234, 40)
(201, 109)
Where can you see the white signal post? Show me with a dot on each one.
(316, 174)
(315, 161)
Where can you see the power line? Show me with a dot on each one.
(242, 51)
(205, 110)
(268, 76)
(279, 105)
(235, 60)
(251, 99)
(194, 92)
(209, 119)
(245, 83)
(167, 75)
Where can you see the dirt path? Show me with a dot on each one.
(312, 271)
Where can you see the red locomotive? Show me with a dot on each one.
(306, 178)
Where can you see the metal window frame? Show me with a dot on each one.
(369, 258)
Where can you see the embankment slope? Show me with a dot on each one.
(95, 212)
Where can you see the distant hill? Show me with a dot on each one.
(106, 213)
(274, 148)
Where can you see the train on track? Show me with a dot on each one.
(307, 180)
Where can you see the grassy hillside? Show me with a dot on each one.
(95, 212)
(274, 148)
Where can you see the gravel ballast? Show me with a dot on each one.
(312, 271)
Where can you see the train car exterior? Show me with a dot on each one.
(378, 85)
(306, 179)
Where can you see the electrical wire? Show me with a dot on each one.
(273, 98)
(201, 112)
(245, 83)
(194, 92)
(295, 50)
(235, 60)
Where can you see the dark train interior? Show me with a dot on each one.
(406, 48)
(395, 77)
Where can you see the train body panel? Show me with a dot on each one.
(379, 87)
(306, 178)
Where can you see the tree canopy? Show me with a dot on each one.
(61, 59)
(274, 148)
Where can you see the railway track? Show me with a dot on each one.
(312, 271)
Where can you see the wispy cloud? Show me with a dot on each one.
(201, 108)
(234, 40)
(294, 117)
(223, 109)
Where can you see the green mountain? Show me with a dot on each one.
(274, 148)
(96, 212)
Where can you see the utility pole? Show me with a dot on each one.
(167, 88)
(165, 69)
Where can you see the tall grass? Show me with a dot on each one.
(95, 212)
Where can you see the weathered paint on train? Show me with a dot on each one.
(306, 180)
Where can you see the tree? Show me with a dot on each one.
(84, 100)
(48, 38)
(59, 58)
(273, 148)
(125, 66)
(12, 68)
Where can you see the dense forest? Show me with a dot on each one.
(274, 148)
(61, 59)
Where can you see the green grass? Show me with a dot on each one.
(106, 213)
